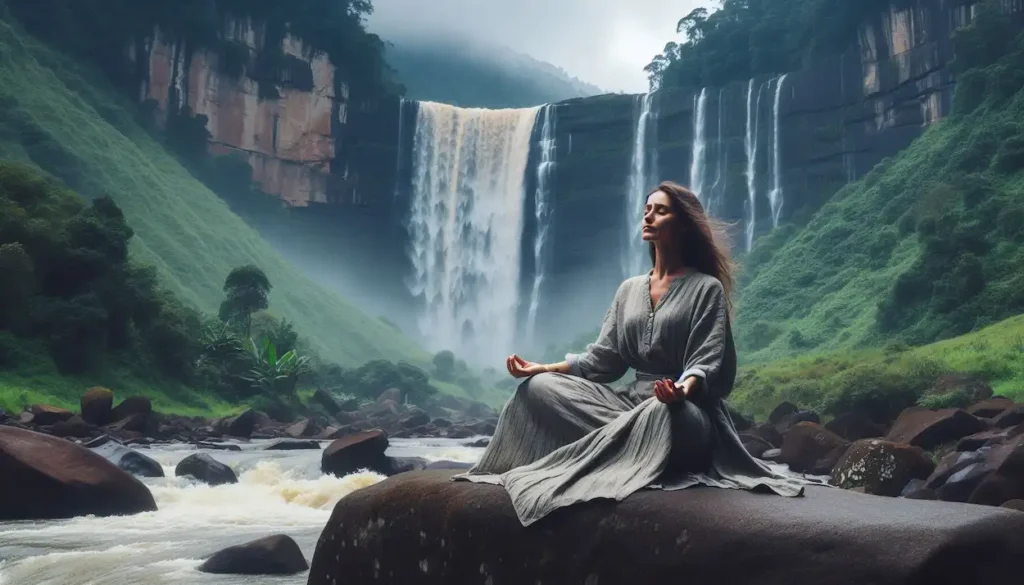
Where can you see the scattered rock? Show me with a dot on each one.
(990, 408)
(206, 469)
(979, 440)
(132, 405)
(806, 447)
(769, 433)
(128, 460)
(799, 416)
(929, 428)
(327, 400)
(392, 394)
(416, 419)
(46, 477)
(854, 426)
(97, 405)
(26, 418)
(441, 423)
(302, 428)
(405, 464)
(917, 489)
(273, 555)
(479, 443)
(754, 445)
(291, 445)
(1012, 416)
(880, 467)
(44, 414)
(772, 454)
(960, 485)
(363, 450)
(781, 411)
(828, 537)
(217, 446)
(952, 463)
(72, 427)
(133, 422)
(3, 415)
(460, 432)
(739, 420)
(1006, 478)
(240, 426)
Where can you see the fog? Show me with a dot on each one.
(603, 42)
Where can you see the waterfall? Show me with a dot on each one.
(634, 253)
(775, 195)
(398, 157)
(718, 188)
(750, 145)
(465, 226)
(698, 164)
(542, 212)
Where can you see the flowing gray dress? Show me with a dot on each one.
(564, 439)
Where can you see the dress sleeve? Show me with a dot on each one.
(710, 351)
(601, 361)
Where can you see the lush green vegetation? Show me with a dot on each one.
(56, 115)
(927, 246)
(883, 381)
(469, 74)
(746, 38)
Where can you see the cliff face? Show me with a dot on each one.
(290, 142)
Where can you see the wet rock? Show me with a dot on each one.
(205, 469)
(240, 426)
(952, 463)
(739, 420)
(134, 422)
(97, 406)
(441, 423)
(26, 418)
(327, 400)
(346, 418)
(128, 460)
(72, 427)
(350, 405)
(990, 408)
(459, 432)
(769, 433)
(217, 446)
(479, 443)
(302, 428)
(854, 426)
(1011, 417)
(392, 394)
(1006, 478)
(828, 537)
(880, 467)
(772, 454)
(44, 414)
(754, 445)
(781, 411)
(291, 445)
(47, 477)
(139, 405)
(929, 428)
(3, 415)
(960, 485)
(415, 419)
(917, 489)
(799, 416)
(405, 464)
(362, 450)
(806, 447)
(273, 555)
(979, 440)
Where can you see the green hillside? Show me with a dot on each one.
(928, 246)
(59, 115)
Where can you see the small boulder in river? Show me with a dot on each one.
(736, 537)
(47, 477)
(206, 469)
(129, 460)
(291, 445)
(364, 450)
(273, 555)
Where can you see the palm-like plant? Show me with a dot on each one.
(273, 373)
(219, 346)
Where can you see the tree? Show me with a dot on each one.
(16, 281)
(444, 364)
(248, 290)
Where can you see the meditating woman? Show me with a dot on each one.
(568, 437)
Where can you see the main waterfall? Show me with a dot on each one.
(542, 208)
(642, 167)
(466, 224)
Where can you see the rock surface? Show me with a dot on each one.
(421, 528)
(273, 555)
(206, 469)
(45, 477)
(129, 460)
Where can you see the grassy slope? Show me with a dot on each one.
(995, 353)
(71, 125)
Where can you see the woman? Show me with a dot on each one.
(567, 437)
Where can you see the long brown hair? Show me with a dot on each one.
(704, 244)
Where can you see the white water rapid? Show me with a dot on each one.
(698, 157)
(466, 224)
(775, 195)
(279, 492)
(640, 170)
(542, 213)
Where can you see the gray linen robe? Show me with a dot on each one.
(564, 439)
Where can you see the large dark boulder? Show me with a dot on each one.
(44, 477)
(880, 467)
(423, 529)
(206, 469)
(129, 460)
(362, 450)
(854, 426)
(273, 555)
(97, 404)
(240, 426)
(806, 447)
(139, 405)
(44, 414)
(930, 428)
(73, 427)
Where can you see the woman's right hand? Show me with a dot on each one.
(520, 368)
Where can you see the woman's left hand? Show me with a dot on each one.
(668, 391)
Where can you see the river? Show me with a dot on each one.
(278, 492)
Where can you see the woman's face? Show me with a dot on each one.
(659, 221)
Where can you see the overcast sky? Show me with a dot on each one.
(604, 42)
